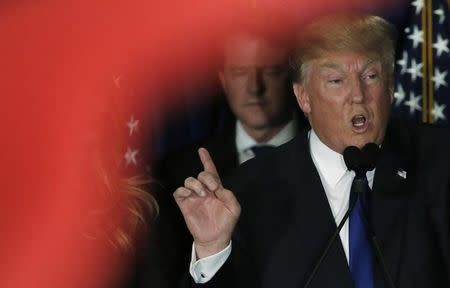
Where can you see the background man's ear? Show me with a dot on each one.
(302, 98)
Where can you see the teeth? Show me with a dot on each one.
(358, 121)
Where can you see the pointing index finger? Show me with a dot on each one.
(208, 164)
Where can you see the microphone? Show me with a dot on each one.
(362, 161)
(359, 161)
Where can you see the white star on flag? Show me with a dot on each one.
(403, 62)
(416, 36)
(422, 64)
(399, 95)
(419, 5)
(439, 78)
(130, 156)
(415, 70)
(441, 45)
(438, 112)
(413, 103)
(132, 125)
(402, 173)
(441, 14)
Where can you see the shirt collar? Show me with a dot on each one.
(245, 141)
(329, 163)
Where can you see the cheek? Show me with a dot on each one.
(235, 90)
(233, 98)
(383, 105)
(326, 105)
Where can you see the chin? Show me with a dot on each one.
(360, 143)
(258, 123)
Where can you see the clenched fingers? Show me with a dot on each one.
(181, 193)
(209, 180)
(195, 185)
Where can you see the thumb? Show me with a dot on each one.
(227, 197)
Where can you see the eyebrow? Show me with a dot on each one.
(332, 65)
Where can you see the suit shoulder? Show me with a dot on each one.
(214, 145)
(185, 162)
(418, 137)
(432, 137)
(270, 166)
(434, 131)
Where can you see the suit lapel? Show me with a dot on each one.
(314, 222)
(389, 202)
(224, 153)
(313, 225)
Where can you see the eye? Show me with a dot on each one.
(335, 81)
(272, 71)
(238, 71)
(370, 77)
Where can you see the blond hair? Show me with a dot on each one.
(366, 34)
(121, 206)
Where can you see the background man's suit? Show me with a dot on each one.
(185, 163)
(286, 219)
(165, 259)
(174, 170)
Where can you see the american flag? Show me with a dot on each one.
(422, 66)
(127, 121)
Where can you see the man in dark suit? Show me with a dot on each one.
(397, 233)
(255, 79)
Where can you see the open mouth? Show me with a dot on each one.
(359, 123)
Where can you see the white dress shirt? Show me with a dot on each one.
(336, 181)
(245, 142)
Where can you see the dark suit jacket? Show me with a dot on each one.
(286, 219)
(163, 261)
(186, 162)
(173, 171)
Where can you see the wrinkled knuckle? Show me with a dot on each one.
(188, 181)
(178, 192)
(202, 175)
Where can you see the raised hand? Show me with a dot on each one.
(210, 210)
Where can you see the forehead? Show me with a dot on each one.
(346, 61)
(246, 50)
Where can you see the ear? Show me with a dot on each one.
(391, 91)
(302, 97)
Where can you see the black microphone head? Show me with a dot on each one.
(370, 154)
(352, 158)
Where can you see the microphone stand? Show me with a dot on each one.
(379, 256)
(330, 243)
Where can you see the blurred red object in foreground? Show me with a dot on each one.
(59, 60)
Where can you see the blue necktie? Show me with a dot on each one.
(361, 256)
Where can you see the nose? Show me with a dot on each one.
(357, 91)
(255, 82)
